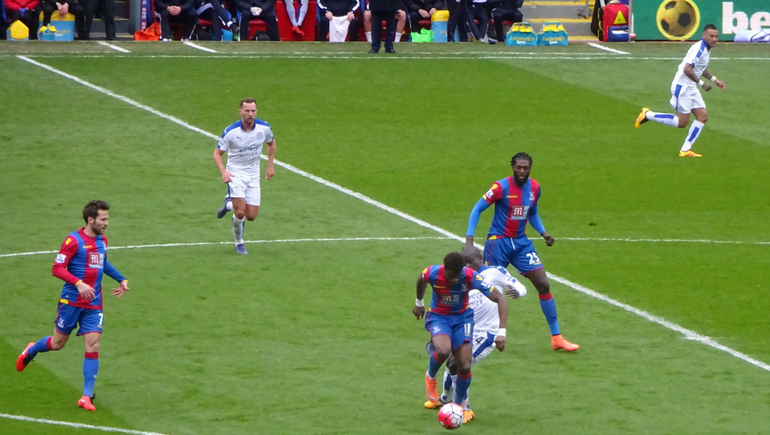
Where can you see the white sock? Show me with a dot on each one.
(238, 230)
(229, 206)
(368, 36)
(663, 118)
(450, 393)
(398, 37)
(692, 136)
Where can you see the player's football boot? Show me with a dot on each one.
(467, 415)
(436, 405)
(558, 342)
(689, 153)
(642, 118)
(85, 403)
(430, 389)
(24, 359)
(240, 249)
(298, 31)
(223, 210)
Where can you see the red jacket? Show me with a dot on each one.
(18, 4)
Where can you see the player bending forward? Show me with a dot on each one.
(685, 96)
(486, 320)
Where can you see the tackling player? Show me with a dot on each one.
(515, 200)
(242, 141)
(685, 96)
(486, 321)
(450, 321)
(81, 263)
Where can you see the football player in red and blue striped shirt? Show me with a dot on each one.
(450, 320)
(81, 264)
(515, 199)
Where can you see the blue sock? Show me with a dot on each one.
(447, 382)
(548, 305)
(434, 365)
(461, 393)
(40, 346)
(90, 369)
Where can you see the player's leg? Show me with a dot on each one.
(292, 13)
(400, 24)
(368, 25)
(91, 322)
(698, 108)
(441, 340)
(463, 355)
(66, 320)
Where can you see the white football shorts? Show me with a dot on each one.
(243, 187)
(483, 345)
(685, 98)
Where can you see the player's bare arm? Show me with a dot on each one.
(269, 171)
(419, 309)
(549, 241)
(468, 240)
(689, 71)
(122, 288)
(720, 84)
(218, 160)
(502, 311)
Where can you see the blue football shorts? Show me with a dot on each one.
(459, 327)
(67, 317)
(519, 252)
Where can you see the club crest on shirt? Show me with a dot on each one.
(531, 196)
(260, 135)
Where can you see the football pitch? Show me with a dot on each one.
(660, 270)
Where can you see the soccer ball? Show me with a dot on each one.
(451, 416)
(678, 19)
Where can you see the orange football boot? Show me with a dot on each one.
(21, 361)
(558, 342)
(85, 403)
(430, 389)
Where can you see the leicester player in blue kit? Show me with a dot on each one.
(81, 263)
(450, 321)
(515, 199)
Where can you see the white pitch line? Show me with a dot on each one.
(687, 333)
(601, 47)
(613, 239)
(512, 56)
(114, 47)
(190, 44)
(77, 425)
(173, 245)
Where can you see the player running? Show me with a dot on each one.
(450, 321)
(243, 142)
(81, 263)
(486, 319)
(515, 200)
(685, 96)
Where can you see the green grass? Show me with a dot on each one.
(316, 337)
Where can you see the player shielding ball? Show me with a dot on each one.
(685, 96)
(243, 141)
(450, 321)
(81, 264)
(516, 199)
(486, 319)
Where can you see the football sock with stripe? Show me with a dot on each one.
(548, 305)
(692, 136)
(448, 392)
(42, 345)
(90, 370)
(434, 365)
(463, 383)
(238, 230)
(663, 118)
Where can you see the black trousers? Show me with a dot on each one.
(75, 9)
(29, 18)
(458, 17)
(476, 12)
(108, 15)
(390, 29)
(185, 17)
(414, 22)
(267, 16)
(504, 14)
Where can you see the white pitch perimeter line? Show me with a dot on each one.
(114, 47)
(172, 245)
(373, 58)
(687, 333)
(190, 44)
(612, 239)
(76, 425)
(601, 47)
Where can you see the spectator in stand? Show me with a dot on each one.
(64, 7)
(107, 8)
(213, 11)
(296, 20)
(339, 14)
(477, 11)
(458, 19)
(400, 24)
(423, 10)
(258, 9)
(25, 10)
(508, 10)
(178, 11)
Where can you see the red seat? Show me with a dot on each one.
(255, 26)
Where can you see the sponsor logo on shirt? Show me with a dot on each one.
(518, 212)
(95, 260)
(449, 299)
